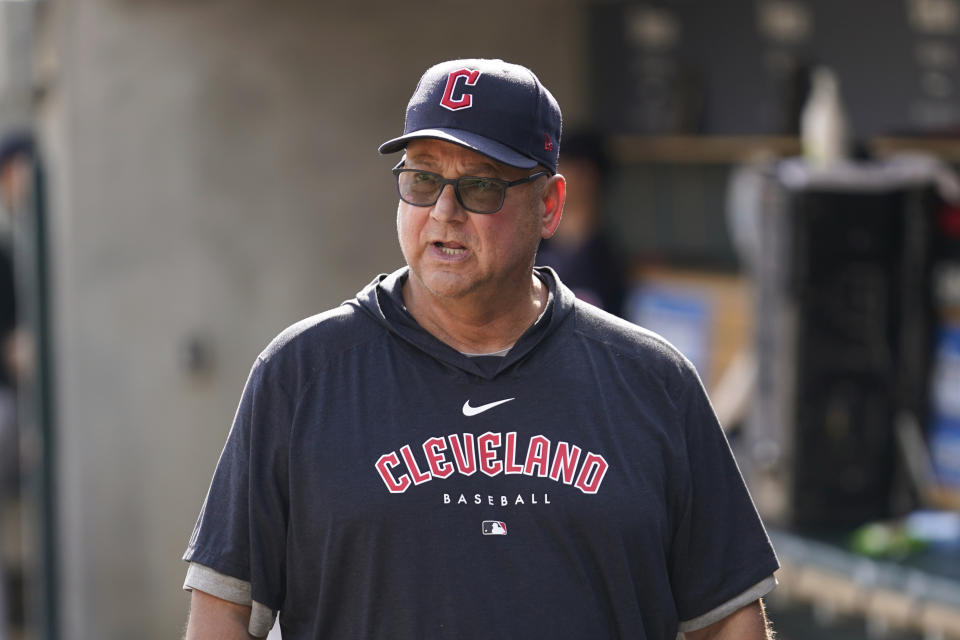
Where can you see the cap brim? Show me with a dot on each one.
(472, 141)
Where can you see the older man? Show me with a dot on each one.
(466, 450)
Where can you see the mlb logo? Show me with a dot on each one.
(494, 528)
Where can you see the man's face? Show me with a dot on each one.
(452, 252)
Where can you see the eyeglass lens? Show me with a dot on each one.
(479, 195)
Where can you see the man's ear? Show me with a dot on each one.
(554, 195)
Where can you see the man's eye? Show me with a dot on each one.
(481, 184)
(424, 178)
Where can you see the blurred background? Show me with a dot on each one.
(769, 183)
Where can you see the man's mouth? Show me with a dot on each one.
(450, 248)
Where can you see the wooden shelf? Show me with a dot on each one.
(694, 149)
(700, 149)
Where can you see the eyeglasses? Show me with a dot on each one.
(475, 194)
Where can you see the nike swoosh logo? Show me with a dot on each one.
(472, 411)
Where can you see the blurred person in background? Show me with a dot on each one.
(580, 252)
(16, 150)
(467, 450)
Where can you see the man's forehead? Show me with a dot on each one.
(428, 150)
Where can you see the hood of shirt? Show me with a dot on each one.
(382, 299)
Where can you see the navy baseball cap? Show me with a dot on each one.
(493, 107)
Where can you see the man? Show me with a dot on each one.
(465, 449)
(16, 174)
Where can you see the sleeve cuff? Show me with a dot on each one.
(755, 592)
(203, 578)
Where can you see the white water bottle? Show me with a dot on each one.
(823, 123)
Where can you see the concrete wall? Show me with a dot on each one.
(16, 33)
(214, 178)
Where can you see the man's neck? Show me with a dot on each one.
(476, 323)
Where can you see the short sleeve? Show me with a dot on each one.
(720, 548)
(241, 530)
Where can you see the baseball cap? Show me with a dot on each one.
(493, 107)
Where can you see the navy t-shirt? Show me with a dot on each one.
(377, 483)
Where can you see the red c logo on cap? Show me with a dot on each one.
(465, 100)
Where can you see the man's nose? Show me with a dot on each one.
(447, 208)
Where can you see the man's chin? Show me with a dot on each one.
(445, 285)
